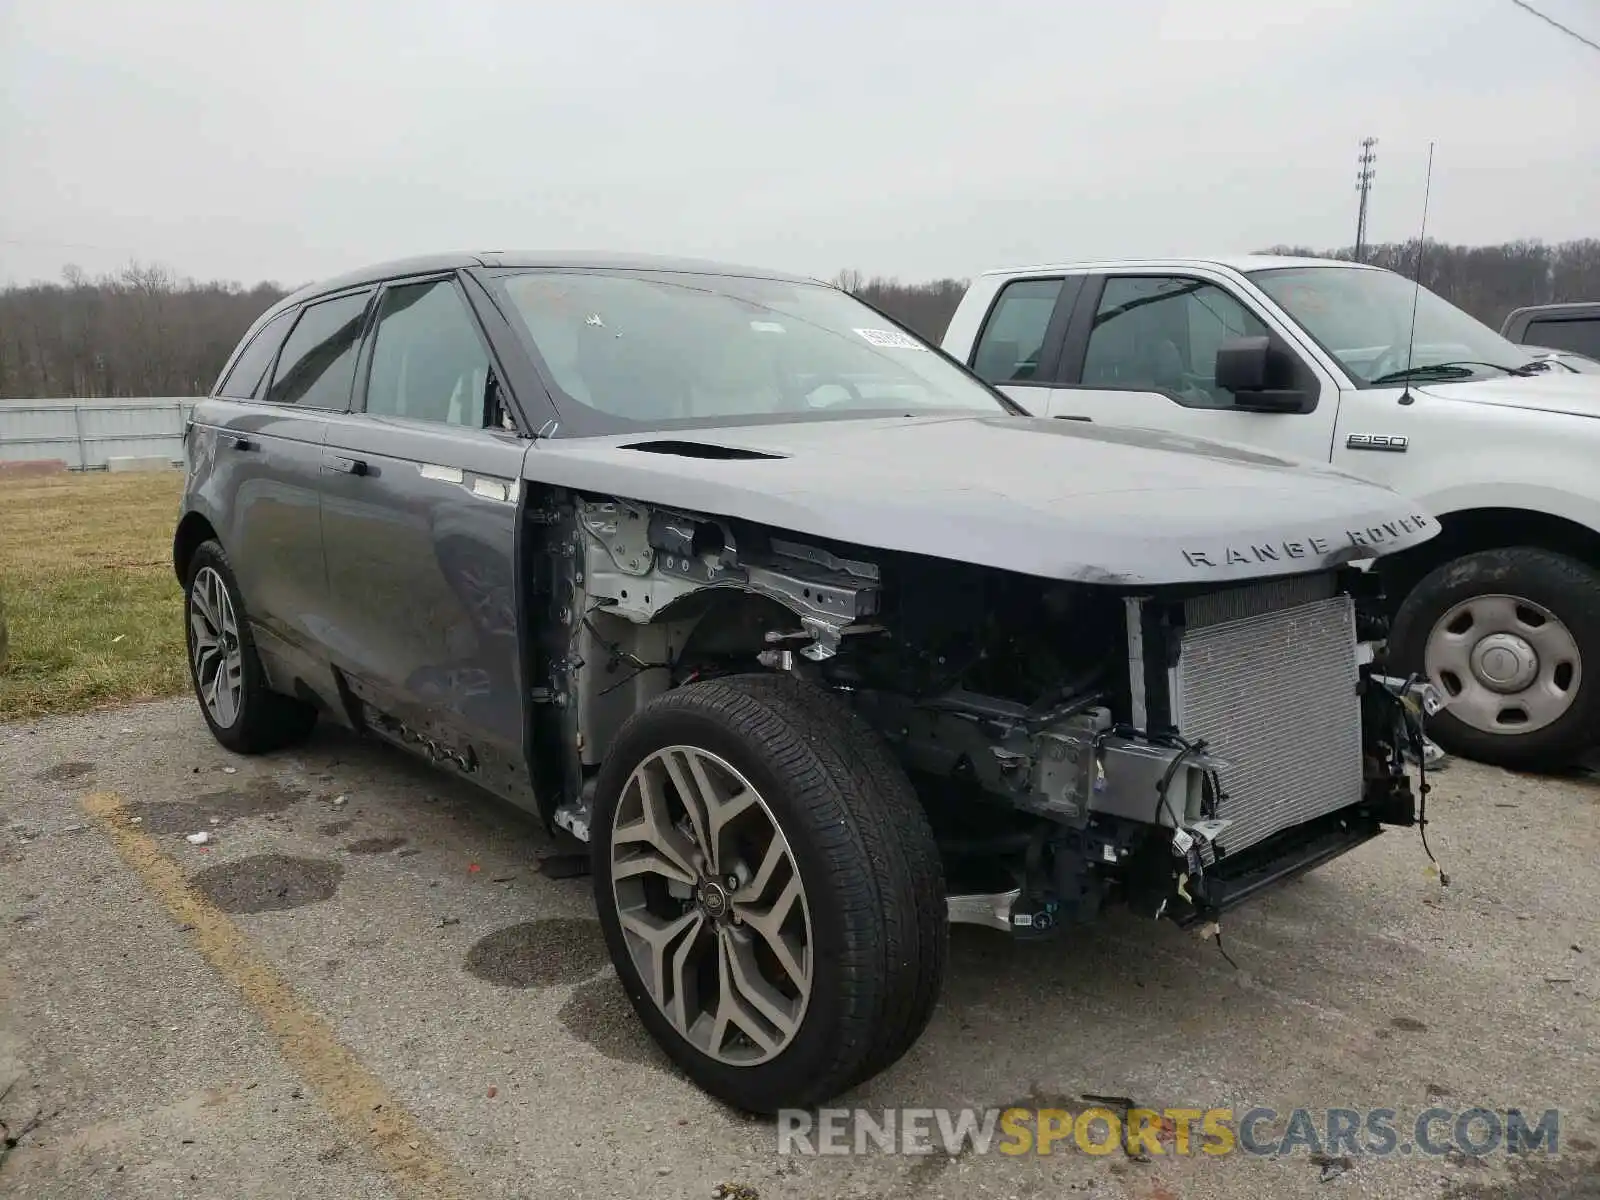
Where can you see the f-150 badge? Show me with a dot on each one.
(1376, 441)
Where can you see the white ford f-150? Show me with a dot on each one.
(1358, 367)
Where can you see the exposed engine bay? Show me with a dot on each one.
(1174, 748)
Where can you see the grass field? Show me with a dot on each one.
(94, 612)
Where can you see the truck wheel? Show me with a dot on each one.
(1512, 636)
(244, 715)
(769, 890)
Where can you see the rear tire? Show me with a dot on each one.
(851, 837)
(1529, 695)
(242, 712)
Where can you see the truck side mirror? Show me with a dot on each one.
(1242, 364)
(1260, 375)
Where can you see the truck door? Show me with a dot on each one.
(1019, 346)
(421, 497)
(1141, 349)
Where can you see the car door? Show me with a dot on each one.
(1141, 349)
(421, 495)
(268, 468)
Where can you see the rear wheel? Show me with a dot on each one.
(1512, 637)
(242, 712)
(769, 890)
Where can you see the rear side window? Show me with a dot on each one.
(428, 362)
(1581, 336)
(1013, 336)
(318, 362)
(244, 381)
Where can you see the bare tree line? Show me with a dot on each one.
(140, 331)
(143, 331)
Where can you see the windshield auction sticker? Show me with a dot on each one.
(891, 339)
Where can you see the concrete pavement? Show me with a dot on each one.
(363, 986)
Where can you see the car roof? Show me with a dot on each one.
(1236, 262)
(596, 260)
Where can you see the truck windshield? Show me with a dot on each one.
(1363, 318)
(647, 349)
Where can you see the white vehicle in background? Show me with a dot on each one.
(1317, 359)
(1567, 328)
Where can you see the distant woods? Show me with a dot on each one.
(923, 307)
(143, 331)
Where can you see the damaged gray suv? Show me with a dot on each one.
(817, 641)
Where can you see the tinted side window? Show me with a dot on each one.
(1580, 336)
(318, 362)
(244, 381)
(1013, 336)
(428, 360)
(1161, 334)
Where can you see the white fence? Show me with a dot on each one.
(85, 433)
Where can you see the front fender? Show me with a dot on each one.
(1549, 500)
(1463, 456)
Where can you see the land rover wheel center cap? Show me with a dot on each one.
(1505, 663)
(713, 898)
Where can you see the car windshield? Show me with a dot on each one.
(647, 349)
(1363, 318)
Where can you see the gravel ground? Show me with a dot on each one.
(369, 989)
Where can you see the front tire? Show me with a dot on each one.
(243, 713)
(1512, 637)
(769, 890)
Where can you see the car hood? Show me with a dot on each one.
(1054, 499)
(1566, 392)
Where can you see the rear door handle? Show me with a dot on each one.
(243, 443)
(1073, 417)
(345, 466)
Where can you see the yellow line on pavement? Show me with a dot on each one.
(413, 1161)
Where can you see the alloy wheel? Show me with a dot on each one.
(214, 648)
(711, 905)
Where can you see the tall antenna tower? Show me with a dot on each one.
(1364, 186)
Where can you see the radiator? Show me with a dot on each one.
(1267, 675)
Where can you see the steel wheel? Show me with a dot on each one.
(1509, 664)
(215, 653)
(711, 905)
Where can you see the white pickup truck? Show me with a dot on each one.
(1317, 359)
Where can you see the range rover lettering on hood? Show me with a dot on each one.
(1374, 538)
(1084, 503)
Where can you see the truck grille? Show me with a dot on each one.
(1267, 675)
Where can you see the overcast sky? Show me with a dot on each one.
(916, 138)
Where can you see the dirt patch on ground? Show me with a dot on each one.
(65, 772)
(375, 845)
(268, 883)
(1569, 1177)
(546, 953)
(598, 1015)
(257, 798)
